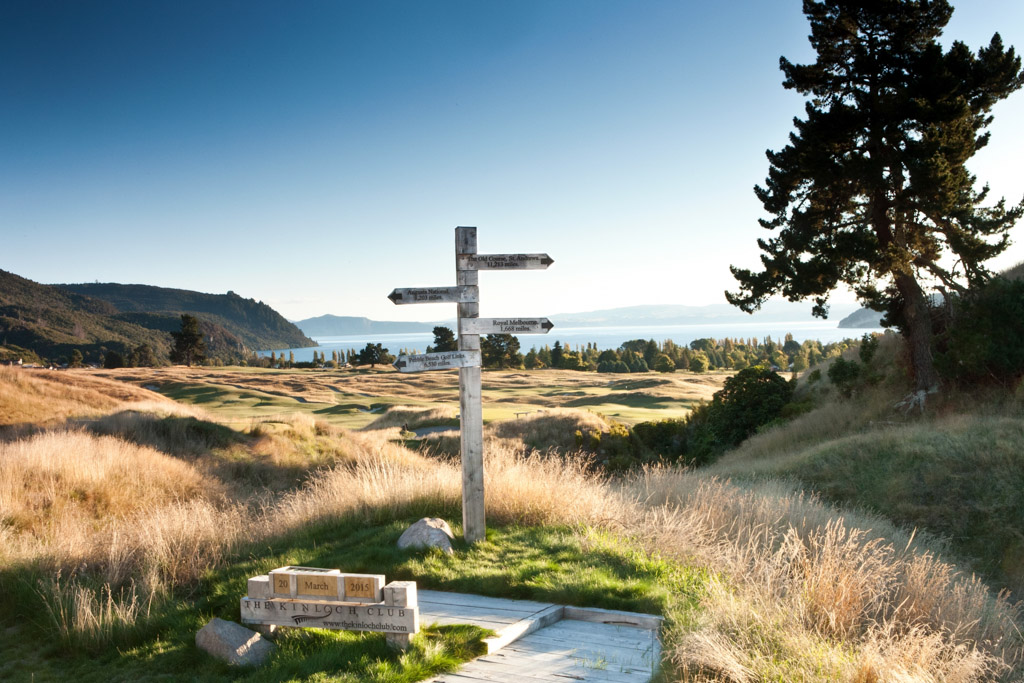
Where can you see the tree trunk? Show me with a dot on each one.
(917, 329)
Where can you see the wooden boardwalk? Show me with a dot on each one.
(539, 641)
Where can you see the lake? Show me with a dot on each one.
(824, 331)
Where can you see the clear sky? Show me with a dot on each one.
(314, 155)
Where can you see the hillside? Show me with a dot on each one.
(43, 321)
(256, 324)
(46, 323)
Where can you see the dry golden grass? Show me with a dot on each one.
(431, 387)
(798, 589)
(67, 477)
(807, 593)
(553, 428)
(46, 396)
(404, 416)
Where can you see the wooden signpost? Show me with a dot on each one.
(465, 293)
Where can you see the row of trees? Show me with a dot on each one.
(640, 355)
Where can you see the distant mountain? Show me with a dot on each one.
(256, 325)
(640, 316)
(772, 311)
(340, 325)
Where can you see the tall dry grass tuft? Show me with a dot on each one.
(61, 483)
(402, 416)
(44, 397)
(541, 488)
(809, 590)
(82, 616)
(382, 478)
(551, 428)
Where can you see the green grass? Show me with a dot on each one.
(624, 400)
(962, 480)
(351, 411)
(553, 564)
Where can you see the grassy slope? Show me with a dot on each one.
(956, 472)
(355, 398)
(787, 591)
(74, 491)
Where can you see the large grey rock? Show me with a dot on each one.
(234, 643)
(429, 532)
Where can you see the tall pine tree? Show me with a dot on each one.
(188, 347)
(873, 190)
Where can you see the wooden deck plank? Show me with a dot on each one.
(570, 639)
(613, 616)
(465, 599)
(534, 674)
(545, 668)
(538, 642)
(631, 659)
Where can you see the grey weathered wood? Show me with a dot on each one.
(438, 360)
(474, 261)
(505, 326)
(523, 627)
(524, 607)
(474, 523)
(639, 640)
(466, 293)
(433, 295)
(611, 616)
(566, 650)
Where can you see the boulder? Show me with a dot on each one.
(234, 643)
(429, 532)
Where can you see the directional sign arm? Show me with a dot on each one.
(431, 295)
(505, 326)
(440, 360)
(504, 261)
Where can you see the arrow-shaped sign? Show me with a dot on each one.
(505, 326)
(503, 261)
(442, 360)
(462, 294)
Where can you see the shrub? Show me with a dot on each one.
(750, 399)
(662, 363)
(844, 374)
(985, 340)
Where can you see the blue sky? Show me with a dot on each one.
(315, 155)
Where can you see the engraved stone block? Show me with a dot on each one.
(313, 582)
(363, 587)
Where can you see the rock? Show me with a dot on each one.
(234, 643)
(429, 532)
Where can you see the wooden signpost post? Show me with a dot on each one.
(466, 293)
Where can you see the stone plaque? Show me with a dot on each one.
(305, 582)
(363, 587)
(350, 617)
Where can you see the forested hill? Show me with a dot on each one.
(256, 324)
(42, 322)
